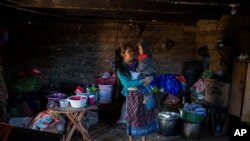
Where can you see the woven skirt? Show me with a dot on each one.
(140, 120)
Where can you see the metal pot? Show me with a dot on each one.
(170, 123)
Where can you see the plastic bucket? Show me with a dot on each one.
(105, 93)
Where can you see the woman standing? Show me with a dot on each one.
(140, 120)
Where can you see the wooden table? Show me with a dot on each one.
(75, 115)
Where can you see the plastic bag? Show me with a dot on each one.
(171, 100)
(90, 119)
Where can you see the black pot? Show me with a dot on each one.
(170, 123)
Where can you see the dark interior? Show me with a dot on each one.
(72, 43)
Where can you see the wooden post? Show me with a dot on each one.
(3, 98)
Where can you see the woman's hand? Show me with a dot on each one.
(147, 80)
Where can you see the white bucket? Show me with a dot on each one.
(105, 94)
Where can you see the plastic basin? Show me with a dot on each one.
(56, 96)
(77, 101)
(191, 117)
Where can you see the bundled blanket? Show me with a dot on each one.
(43, 120)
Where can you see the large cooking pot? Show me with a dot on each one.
(170, 123)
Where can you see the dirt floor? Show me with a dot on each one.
(108, 130)
(103, 131)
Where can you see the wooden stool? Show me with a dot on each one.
(75, 115)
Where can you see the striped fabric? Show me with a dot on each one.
(140, 120)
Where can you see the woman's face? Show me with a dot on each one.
(128, 55)
(140, 50)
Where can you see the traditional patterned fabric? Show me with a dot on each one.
(140, 120)
(149, 128)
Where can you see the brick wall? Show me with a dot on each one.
(71, 53)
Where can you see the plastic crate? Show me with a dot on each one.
(26, 84)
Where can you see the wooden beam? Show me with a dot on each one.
(114, 5)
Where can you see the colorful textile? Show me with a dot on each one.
(149, 128)
(132, 66)
(142, 57)
(140, 120)
(145, 89)
(200, 85)
(148, 96)
(150, 101)
(43, 120)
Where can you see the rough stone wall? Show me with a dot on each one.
(235, 28)
(73, 53)
(170, 60)
(78, 52)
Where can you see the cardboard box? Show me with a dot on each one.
(217, 92)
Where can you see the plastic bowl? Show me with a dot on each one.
(78, 101)
(64, 103)
(56, 96)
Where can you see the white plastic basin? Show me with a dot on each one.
(78, 101)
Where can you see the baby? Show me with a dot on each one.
(145, 67)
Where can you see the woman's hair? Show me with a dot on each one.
(145, 47)
(119, 65)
